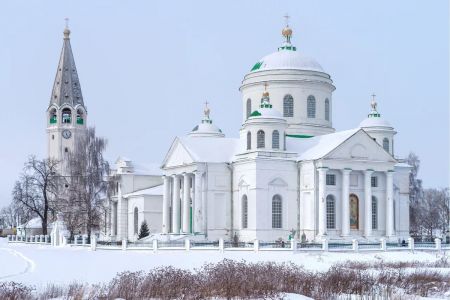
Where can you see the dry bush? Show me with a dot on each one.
(14, 291)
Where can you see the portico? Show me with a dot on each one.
(183, 211)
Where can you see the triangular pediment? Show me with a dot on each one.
(278, 181)
(177, 156)
(360, 146)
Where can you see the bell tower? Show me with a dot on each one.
(66, 114)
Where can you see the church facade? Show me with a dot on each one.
(289, 173)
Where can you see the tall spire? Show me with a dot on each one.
(66, 88)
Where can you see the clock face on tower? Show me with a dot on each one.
(66, 134)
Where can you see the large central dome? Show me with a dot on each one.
(287, 59)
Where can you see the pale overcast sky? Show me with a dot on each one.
(146, 67)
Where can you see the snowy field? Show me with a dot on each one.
(42, 264)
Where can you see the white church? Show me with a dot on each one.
(289, 173)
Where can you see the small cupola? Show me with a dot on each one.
(378, 128)
(206, 128)
(265, 128)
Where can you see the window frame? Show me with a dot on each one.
(260, 139)
(331, 212)
(248, 107)
(374, 213)
(311, 107)
(288, 106)
(327, 109)
(277, 212)
(249, 140)
(330, 179)
(244, 215)
(275, 139)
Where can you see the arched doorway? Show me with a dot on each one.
(354, 211)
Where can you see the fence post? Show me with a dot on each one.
(84, 240)
(42, 238)
(36, 238)
(383, 244)
(294, 245)
(93, 242)
(221, 247)
(46, 238)
(75, 239)
(124, 244)
(256, 245)
(324, 244)
(438, 242)
(64, 241)
(187, 244)
(155, 246)
(355, 245)
(411, 244)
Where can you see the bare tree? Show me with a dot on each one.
(88, 184)
(36, 190)
(415, 196)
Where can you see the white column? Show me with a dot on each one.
(197, 215)
(345, 214)
(204, 215)
(389, 203)
(186, 202)
(166, 205)
(113, 218)
(368, 203)
(176, 204)
(322, 202)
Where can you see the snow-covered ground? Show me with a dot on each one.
(42, 264)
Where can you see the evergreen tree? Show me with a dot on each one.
(144, 231)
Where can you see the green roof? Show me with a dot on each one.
(257, 66)
(300, 136)
(255, 114)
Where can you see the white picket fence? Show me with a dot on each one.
(256, 246)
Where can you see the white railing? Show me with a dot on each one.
(255, 246)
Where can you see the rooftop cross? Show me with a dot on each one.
(207, 110)
(67, 22)
(287, 19)
(374, 102)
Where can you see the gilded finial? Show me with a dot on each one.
(266, 92)
(66, 29)
(287, 31)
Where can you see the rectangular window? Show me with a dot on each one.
(331, 179)
(374, 181)
(374, 214)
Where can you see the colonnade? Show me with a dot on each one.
(183, 194)
(345, 220)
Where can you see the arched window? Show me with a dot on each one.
(249, 140)
(275, 139)
(249, 107)
(80, 117)
(327, 109)
(288, 106)
(260, 139)
(244, 212)
(136, 224)
(374, 213)
(386, 144)
(277, 212)
(66, 116)
(311, 106)
(53, 118)
(331, 212)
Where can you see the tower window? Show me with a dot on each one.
(327, 109)
(275, 139)
(53, 118)
(53, 136)
(136, 218)
(260, 139)
(66, 149)
(386, 144)
(80, 119)
(66, 116)
(288, 106)
(249, 140)
(311, 106)
(249, 107)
